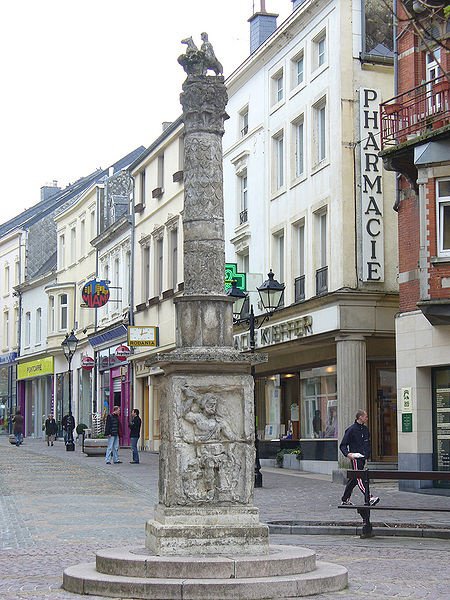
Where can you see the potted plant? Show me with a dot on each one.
(95, 446)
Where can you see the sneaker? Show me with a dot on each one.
(119, 462)
(107, 463)
(373, 500)
(346, 503)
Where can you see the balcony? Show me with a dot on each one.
(423, 109)
(243, 217)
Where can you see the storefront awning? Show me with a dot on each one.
(100, 339)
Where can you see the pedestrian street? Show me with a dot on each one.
(57, 508)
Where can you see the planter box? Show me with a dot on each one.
(95, 446)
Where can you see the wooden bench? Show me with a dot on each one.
(367, 474)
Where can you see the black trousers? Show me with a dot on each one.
(357, 465)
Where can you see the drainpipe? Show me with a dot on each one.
(395, 32)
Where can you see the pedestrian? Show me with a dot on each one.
(18, 428)
(135, 432)
(356, 446)
(51, 429)
(112, 432)
(68, 422)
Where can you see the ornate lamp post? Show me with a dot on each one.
(271, 293)
(69, 345)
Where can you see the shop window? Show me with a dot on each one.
(319, 406)
(443, 217)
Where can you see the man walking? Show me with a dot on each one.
(355, 445)
(51, 430)
(135, 432)
(112, 432)
(18, 428)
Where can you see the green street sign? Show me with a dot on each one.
(407, 423)
(231, 273)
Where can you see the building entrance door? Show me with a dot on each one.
(383, 411)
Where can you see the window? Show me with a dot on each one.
(6, 329)
(299, 147)
(142, 187)
(243, 261)
(321, 252)
(93, 225)
(38, 339)
(82, 237)
(279, 256)
(16, 272)
(243, 118)
(319, 50)
(145, 273)
(6, 280)
(322, 218)
(73, 245)
(16, 326)
(27, 329)
(298, 71)
(299, 261)
(318, 398)
(174, 257)
(126, 283)
(181, 153)
(443, 216)
(159, 266)
(278, 142)
(278, 87)
(243, 216)
(320, 123)
(52, 314)
(62, 251)
(161, 171)
(63, 308)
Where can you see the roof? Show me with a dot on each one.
(31, 215)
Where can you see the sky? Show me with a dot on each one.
(85, 82)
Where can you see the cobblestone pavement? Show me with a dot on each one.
(57, 508)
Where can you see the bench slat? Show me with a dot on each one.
(418, 509)
(411, 475)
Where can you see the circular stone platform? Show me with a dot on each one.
(286, 572)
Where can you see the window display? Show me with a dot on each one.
(319, 403)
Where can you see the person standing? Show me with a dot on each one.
(112, 431)
(67, 422)
(135, 432)
(18, 427)
(355, 445)
(51, 430)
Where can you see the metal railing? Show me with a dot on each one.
(243, 216)
(423, 108)
(321, 281)
(299, 288)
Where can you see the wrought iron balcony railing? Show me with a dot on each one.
(299, 288)
(424, 108)
(321, 281)
(243, 217)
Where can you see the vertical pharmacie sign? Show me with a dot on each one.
(372, 227)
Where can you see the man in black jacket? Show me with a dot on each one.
(356, 446)
(135, 432)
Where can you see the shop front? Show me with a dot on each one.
(35, 393)
(114, 376)
(8, 388)
(318, 375)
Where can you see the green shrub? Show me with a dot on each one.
(80, 428)
(279, 457)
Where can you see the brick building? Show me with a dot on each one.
(416, 143)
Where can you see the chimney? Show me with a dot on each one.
(47, 191)
(297, 3)
(262, 25)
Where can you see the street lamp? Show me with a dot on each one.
(69, 345)
(271, 294)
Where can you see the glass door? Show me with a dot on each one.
(383, 412)
(441, 422)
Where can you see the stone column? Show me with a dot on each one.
(351, 383)
(207, 452)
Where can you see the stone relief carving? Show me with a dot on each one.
(212, 455)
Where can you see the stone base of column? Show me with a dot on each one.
(206, 531)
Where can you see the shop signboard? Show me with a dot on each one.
(35, 368)
(407, 426)
(406, 399)
(87, 363)
(443, 428)
(95, 293)
(122, 352)
(143, 336)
